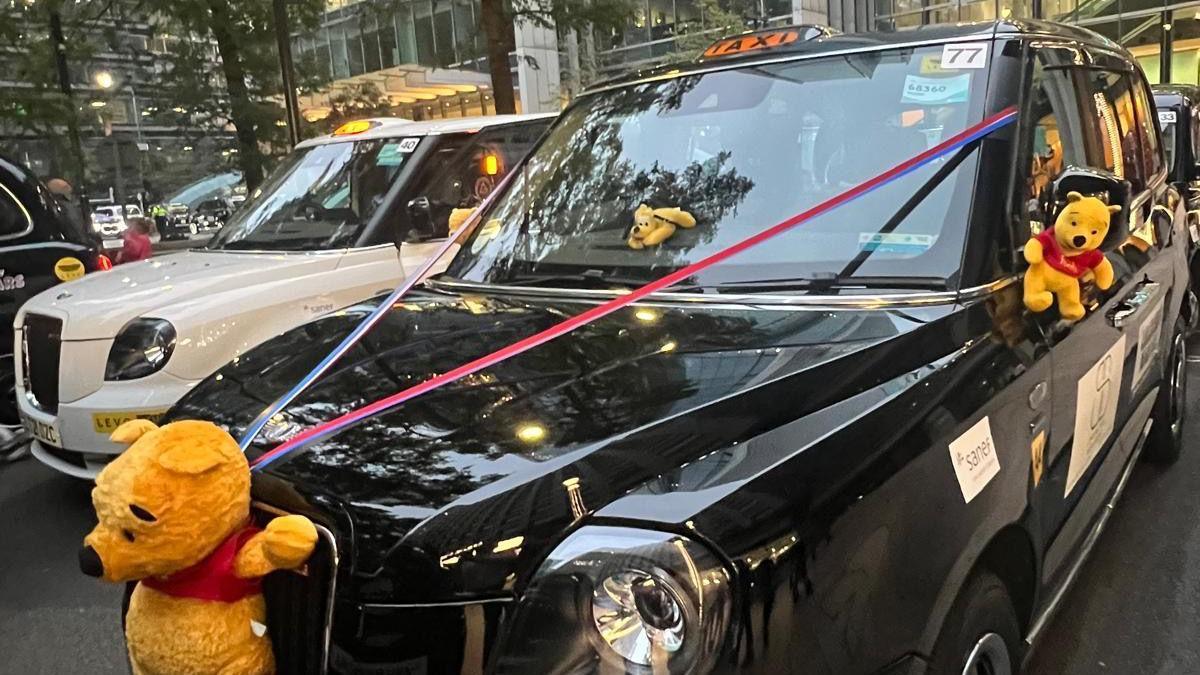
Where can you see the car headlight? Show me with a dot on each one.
(141, 348)
(618, 599)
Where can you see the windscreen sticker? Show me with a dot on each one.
(975, 459)
(1149, 344)
(936, 90)
(1166, 117)
(932, 65)
(392, 154)
(1095, 411)
(961, 55)
(895, 243)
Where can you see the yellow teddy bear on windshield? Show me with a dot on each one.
(1066, 252)
(652, 227)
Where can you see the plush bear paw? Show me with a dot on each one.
(1039, 302)
(1071, 312)
(289, 541)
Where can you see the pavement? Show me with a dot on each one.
(1134, 608)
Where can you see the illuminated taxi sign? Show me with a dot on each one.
(491, 164)
(742, 44)
(354, 127)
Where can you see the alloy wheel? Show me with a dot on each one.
(989, 656)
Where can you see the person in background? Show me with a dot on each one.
(64, 196)
(136, 241)
(159, 212)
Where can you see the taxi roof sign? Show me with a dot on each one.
(762, 40)
(354, 127)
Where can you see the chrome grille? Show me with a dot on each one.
(300, 606)
(42, 346)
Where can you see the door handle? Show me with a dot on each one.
(1129, 306)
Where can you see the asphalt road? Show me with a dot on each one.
(1134, 609)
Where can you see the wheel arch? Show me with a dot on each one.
(1011, 556)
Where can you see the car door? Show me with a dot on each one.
(1101, 377)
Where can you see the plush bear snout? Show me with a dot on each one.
(90, 563)
(1079, 241)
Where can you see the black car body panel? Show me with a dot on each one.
(809, 441)
(32, 244)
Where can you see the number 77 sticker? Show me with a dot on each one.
(961, 55)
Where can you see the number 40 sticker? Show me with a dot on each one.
(961, 55)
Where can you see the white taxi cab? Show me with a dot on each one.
(342, 219)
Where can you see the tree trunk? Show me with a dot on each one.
(498, 31)
(241, 107)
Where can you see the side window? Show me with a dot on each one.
(1127, 140)
(1146, 122)
(1194, 132)
(1056, 138)
(14, 219)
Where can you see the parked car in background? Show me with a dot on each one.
(109, 221)
(848, 450)
(209, 214)
(321, 235)
(1179, 117)
(178, 223)
(39, 248)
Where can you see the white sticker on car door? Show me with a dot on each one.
(974, 458)
(1095, 410)
(1149, 344)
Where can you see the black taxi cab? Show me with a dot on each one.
(1179, 117)
(39, 247)
(850, 449)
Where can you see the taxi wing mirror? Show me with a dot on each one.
(1109, 187)
(424, 225)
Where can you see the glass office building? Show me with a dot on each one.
(1163, 36)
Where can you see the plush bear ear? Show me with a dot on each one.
(190, 459)
(1073, 197)
(132, 430)
(1115, 208)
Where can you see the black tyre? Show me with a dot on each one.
(981, 635)
(1165, 441)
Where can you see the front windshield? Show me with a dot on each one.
(742, 150)
(320, 198)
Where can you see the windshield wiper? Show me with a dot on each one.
(589, 278)
(823, 282)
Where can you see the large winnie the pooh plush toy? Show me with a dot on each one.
(174, 512)
(1065, 253)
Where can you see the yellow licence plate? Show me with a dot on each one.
(106, 423)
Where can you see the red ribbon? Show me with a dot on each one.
(951, 144)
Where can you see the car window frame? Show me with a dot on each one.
(6, 193)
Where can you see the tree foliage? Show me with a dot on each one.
(242, 88)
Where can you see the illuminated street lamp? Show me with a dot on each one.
(104, 80)
(107, 81)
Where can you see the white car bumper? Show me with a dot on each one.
(74, 439)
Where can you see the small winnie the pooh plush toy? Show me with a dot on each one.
(174, 514)
(1066, 252)
(652, 227)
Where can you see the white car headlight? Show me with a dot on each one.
(141, 348)
(619, 599)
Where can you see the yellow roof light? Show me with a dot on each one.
(354, 127)
(491, 164)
